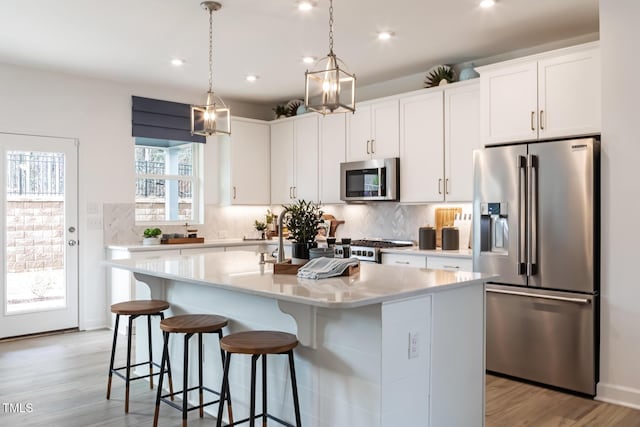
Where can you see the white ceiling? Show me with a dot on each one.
(134, 40)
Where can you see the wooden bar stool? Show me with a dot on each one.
(190, 324)
(259, 343)
(135, 309)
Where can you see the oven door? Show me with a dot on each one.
(369, 180)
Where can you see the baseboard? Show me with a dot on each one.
(619, 395)
(92, 325)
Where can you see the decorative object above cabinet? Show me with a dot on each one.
(550, 95)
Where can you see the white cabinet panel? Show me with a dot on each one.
(421, 148)
(249, 163)
(282, 162)
(450, 263)
(403, 260)
(373, 131)
(332, 153)
(305, 136)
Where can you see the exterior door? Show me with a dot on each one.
(38, 211)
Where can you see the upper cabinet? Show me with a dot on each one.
(244, 163)
(556, 94)
(439, 129)
(373, 131)
(333, 135)
(294, 159)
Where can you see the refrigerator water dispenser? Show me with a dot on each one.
(494, 227)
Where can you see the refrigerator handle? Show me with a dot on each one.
(522, 206)
(532, 236)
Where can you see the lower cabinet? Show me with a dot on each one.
(450, 263)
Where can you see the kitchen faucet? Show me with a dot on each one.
(280, 242)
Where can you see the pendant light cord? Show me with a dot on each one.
(210, 50)
(330, 27)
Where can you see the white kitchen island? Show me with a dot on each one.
(389, 346)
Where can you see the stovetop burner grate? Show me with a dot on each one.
(381, 243)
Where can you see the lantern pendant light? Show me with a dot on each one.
(213, 118)
(330, 88)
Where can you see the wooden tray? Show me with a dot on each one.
(288, 268)
(182, 240)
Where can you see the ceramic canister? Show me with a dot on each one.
(450, 239)
(427, 238)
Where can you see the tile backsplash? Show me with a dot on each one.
(386, 220)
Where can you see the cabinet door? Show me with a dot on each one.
(332, 153)
(421, 148)
(450, 263)
(569, 95)
(305, 131)
(250, 164)
(402, 260)
(359, 134)
(282, 162)
(385, 129)
(509, 103)
(461, 137)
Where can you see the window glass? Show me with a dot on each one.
(167, 181)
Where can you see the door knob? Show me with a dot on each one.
(72, 242)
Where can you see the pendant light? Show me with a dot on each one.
(330, 89)
(213, 118)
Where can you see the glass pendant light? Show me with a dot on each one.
(213, 118)
(329, 88)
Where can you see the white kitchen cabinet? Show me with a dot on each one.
(405, 260)
(439, 129)
(555, 94)
(449, 263)
(373, 131)
(333, 135)
(244, 164)
(422, 147)
(294, 159)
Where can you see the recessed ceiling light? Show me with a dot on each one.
(306, 5)
(385, 35)
(251, 77)
(177, 62)
(309, 59)
(487, 3)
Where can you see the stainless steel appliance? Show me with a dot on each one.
(369, 249)
(537, 226)
(370, 180)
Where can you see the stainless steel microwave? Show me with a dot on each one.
(370, 180)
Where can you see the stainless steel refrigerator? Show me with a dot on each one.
(537, 227)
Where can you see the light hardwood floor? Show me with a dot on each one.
(64, 378)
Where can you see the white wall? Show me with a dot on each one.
(98, 114)
(620, 340)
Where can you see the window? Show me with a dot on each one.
(168, 181)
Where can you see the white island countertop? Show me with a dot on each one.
(241, 272)
(220, 243)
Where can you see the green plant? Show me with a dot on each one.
(152, 232)
(280, 110)
(435, 77)
(302, 220)
(260, 226)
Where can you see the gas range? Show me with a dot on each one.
(369, 249)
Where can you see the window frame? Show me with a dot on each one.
(196, 179)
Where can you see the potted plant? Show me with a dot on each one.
(302, 221)
(280, 110)
(151, 236)
(260, 227)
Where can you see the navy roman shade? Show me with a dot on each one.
(154, 118)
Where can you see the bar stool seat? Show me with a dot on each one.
(190, 324)
(135, 309)
(259, 344)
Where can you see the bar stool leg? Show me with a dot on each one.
(264, 390)
(252, 410)
(294, 389)
(150, 352)
(165, 359)
(224, 391)
(113, 355)
(228, 394)
(200, 390)
(128, 376)
(185, 380)
(168, 368)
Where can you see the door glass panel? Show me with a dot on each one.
(35, 247)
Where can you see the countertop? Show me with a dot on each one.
(240, 271)
(138, 247)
